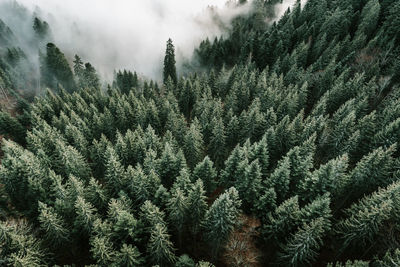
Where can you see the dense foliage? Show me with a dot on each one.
(294, 125)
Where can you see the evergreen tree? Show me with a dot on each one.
(280, 223)
(372, 171)
(228, 175)
(184, 261)
(303, 247)
(102, 250)
(124, 224)
(86, 214)
(55, 69)
(280, 179)
(221, 219)
(217, 145)
(114, 173)
(206, 172)
(128, 256)
(169, 63)
(249, 186)
(197, 206)
(78, 67)
(160, 247)
(193, 144)
(260, 152)
(41, 28)
(330, 177)
(390, 259)
(151, 215)
(363, 226)
(178, 212)
(54, 227)
(169, 166)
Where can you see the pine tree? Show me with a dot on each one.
(160, 247)
(19, 246)
(178, 212)
(372, 171)
(231, 130)
(142, 186)
(12, 128)
(193, 144)
(55, 69)
(78, 67)
(390, 259)
(265, 204)
(70, 162)
(197, 206)
(151, 215)
(102, 250)
(41, 28)
(184, 261)
(362, 227)
(369, 18)
(24, 178)
(169, 166)
(260, 152)
(86, 214)
(169, 63)
(128, 256)
(124, 224)
(56, 232)
(206, 172)
(221, 219)
(249, 187)
(367, 218)
(303, 247)
(183, 181)
(217, 144)
(115, 173)
(228, 175)
(91, 78)
(280, 223)
(330, 177)
(96, 194)
(318, 208)
(280, 179)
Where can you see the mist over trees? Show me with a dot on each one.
(277, 146)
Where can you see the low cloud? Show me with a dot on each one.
(130, 34)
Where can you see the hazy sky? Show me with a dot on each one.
(115, 34)
(131, 34)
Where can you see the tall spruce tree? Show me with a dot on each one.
(169, 63)
(221, 219)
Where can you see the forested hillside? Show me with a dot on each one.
(279, 148)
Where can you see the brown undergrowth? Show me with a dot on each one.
(241, 249)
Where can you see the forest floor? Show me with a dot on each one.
(241, 247)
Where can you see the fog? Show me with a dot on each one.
(130, 34)
(126, 34)
(281, 8)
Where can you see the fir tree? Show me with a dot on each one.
(178, 212)
(303, 247)
(221, 219)
(193, 144)
(206, 172)
(197, 206)
(217, 145)
(53, 225)
(128, 256)
(55, 69)
(169, 63)
(160, 247)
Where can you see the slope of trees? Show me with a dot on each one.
(294, 124)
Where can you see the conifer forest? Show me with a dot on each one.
(276, 143)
